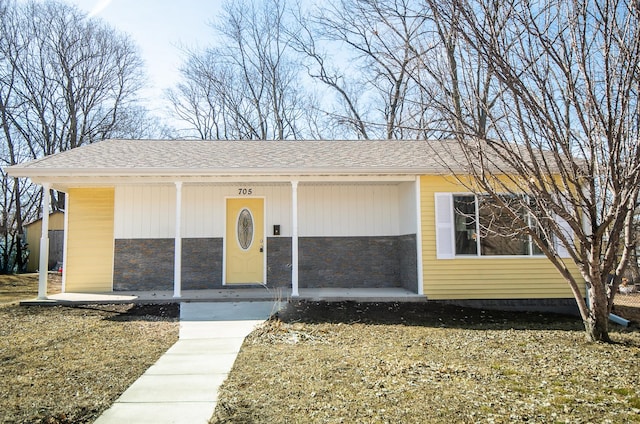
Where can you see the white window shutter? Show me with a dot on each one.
(565, 229)
(445, 238)
(567, 233)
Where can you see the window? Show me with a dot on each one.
(245, 229)
(466, 230)
(483, 227)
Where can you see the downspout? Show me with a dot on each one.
(43, 269)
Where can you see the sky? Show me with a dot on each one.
(159, 28)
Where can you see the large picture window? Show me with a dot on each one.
(484, 227)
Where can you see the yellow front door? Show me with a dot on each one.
(245, 241)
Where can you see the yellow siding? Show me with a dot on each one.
(34, 232)
(480, 277)
(89, 261)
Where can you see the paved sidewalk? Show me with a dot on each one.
(182, 386)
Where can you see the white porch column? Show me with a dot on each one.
(177, 261)
(419, 235)
(294, 239)
(43, 269)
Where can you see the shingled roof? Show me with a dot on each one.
(190, 157)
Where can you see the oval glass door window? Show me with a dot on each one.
(245, 229)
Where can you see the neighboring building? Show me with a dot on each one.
(33, 233)
(188, 215)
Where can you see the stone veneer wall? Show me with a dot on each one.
(279, 261)
(143, 264)
(349, 262)
(355, 262)
(201, 263)
(408, 256)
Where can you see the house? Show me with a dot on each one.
(33, 232)
(189, 215)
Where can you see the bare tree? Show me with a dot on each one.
(247, 86)
(201, 99)
(376, 48)
(458, 84)
(564, 134)
(79, 76)
(65, 80)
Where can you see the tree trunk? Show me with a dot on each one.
(597, 329)
(596, 324)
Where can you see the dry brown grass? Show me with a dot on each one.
(14, 288)
(416, 363)
(67, 365)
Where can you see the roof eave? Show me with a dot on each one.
(43, 173)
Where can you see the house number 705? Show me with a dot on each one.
(245, 191)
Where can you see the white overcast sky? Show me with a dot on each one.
(159, 28)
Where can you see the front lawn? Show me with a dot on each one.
(419, 363)
(68, 364)
(18, 287)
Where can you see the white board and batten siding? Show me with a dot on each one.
(149, 211)
(334, 210)
(348, 210)
(144, 212)
(408, 203)
(204, 207)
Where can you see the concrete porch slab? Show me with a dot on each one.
(234, 295)
(360, 295)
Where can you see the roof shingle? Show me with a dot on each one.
(216, 157)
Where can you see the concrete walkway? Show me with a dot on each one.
(182, 386)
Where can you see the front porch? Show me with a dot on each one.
(316, 239)
(233, 295)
